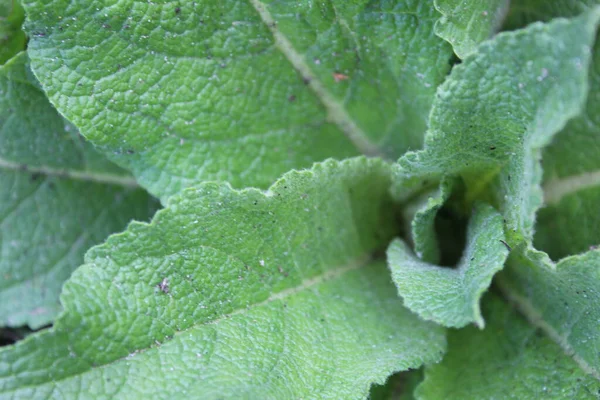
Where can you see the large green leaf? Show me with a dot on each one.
(498, 114)
(12, 37)
(451, 296)
(560, 299)
(494, 113)
(236, 294)
(508, 360)
(466, 23)
(58, 197)
(569, 222)
(241, 91)
(563, 299)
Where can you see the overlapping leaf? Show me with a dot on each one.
(236, 294)
(569, 222)
(563, 299)
(466, 23)
(495, 113)
(490, 128)
(451, 296)
(58, 197)
(508, 360)
(240, 91)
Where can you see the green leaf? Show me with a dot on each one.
(466, 23)
(449, 296)
(560, 299)
(241, 91)
(568, 224)
(508, 360)
(494, 114)
(231, 293)
(421, 212)
(12, 37)
(58, 197)
(523, 12)
(563, 299)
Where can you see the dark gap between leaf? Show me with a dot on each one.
(10, 336)
(451, 232)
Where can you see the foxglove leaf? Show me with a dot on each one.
(494, 114)
(562, 299)
(508, 360)
(58, 197)
(568, 224)
(466, 23)
(236, 294)
(421, 214)
(449, 296)
(241, 91)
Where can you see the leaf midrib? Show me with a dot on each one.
(336, 111)
(88, 176)
(556, 189)
(361, 262)
(533, 316)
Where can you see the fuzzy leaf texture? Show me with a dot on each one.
(240, 91)
(236, 294)
(420, 217)
(508, 360)
(466, 23)
(562, 298)
(58, 197)
(494, 113)
(450, 296)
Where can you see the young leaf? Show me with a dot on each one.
(241, 91)
(236, 294)
(508, 360)
(57, 198)
(563, 299)
(466, 23)
(12, 38)
(495, 112)
(421, 213)
(448, 296)
(569, 222)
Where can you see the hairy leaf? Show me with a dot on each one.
(58, 197)
(494, 113)
(12, 37)
(238, 90)
(420, 215)
(560, 299)
(449, 296)
(508, 360)
(236, 294)
(569, 222)
(563, 299)
(466, 23)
